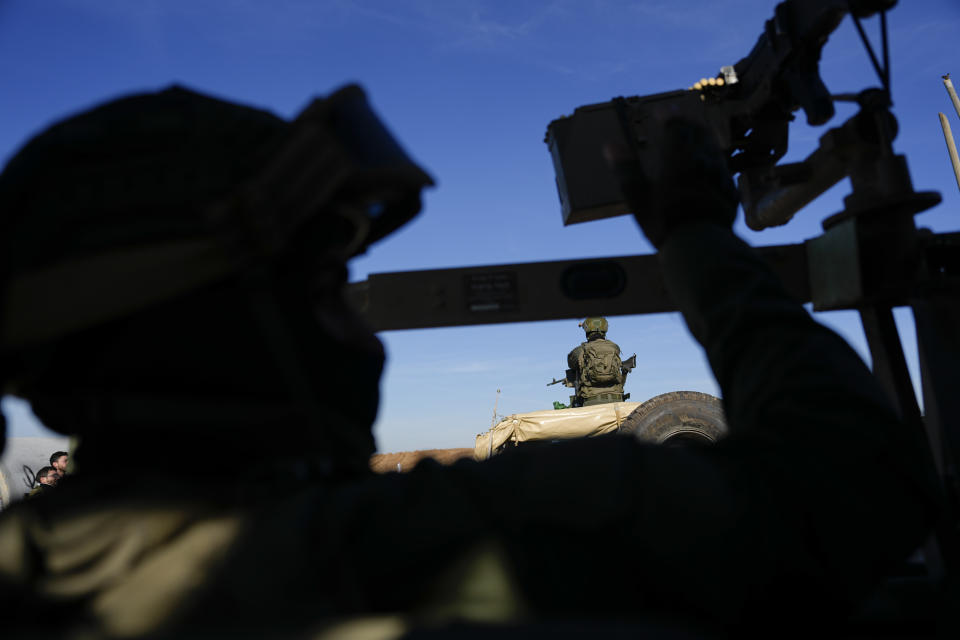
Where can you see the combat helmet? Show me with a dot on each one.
(124, 211)
(595, 324)
(183, 189)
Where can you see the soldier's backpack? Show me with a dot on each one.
(601, 363)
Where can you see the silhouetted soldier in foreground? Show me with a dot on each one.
(199, 248)
(597, 367)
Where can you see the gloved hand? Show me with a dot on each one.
(693, 183)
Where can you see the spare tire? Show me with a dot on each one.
(678, 418)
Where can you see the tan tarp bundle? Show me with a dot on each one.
(553, 424)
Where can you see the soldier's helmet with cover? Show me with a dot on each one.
(129, 228)
(595, 324)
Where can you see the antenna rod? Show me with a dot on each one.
(951, 145)
(953, 93)
(945, 124)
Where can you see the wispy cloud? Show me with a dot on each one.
(471, 25)
(476, 366)
(439, 367)
(523, 32)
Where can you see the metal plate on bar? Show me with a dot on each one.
(491, 292)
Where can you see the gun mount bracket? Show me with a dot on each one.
(906, 204)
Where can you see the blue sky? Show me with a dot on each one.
(469, 86)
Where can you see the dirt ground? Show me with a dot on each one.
(386, 462)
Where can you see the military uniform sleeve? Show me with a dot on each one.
(779, 370)
(813, 436)
(573, 358)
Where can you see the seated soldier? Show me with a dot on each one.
(173, 274)
(596, 365)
